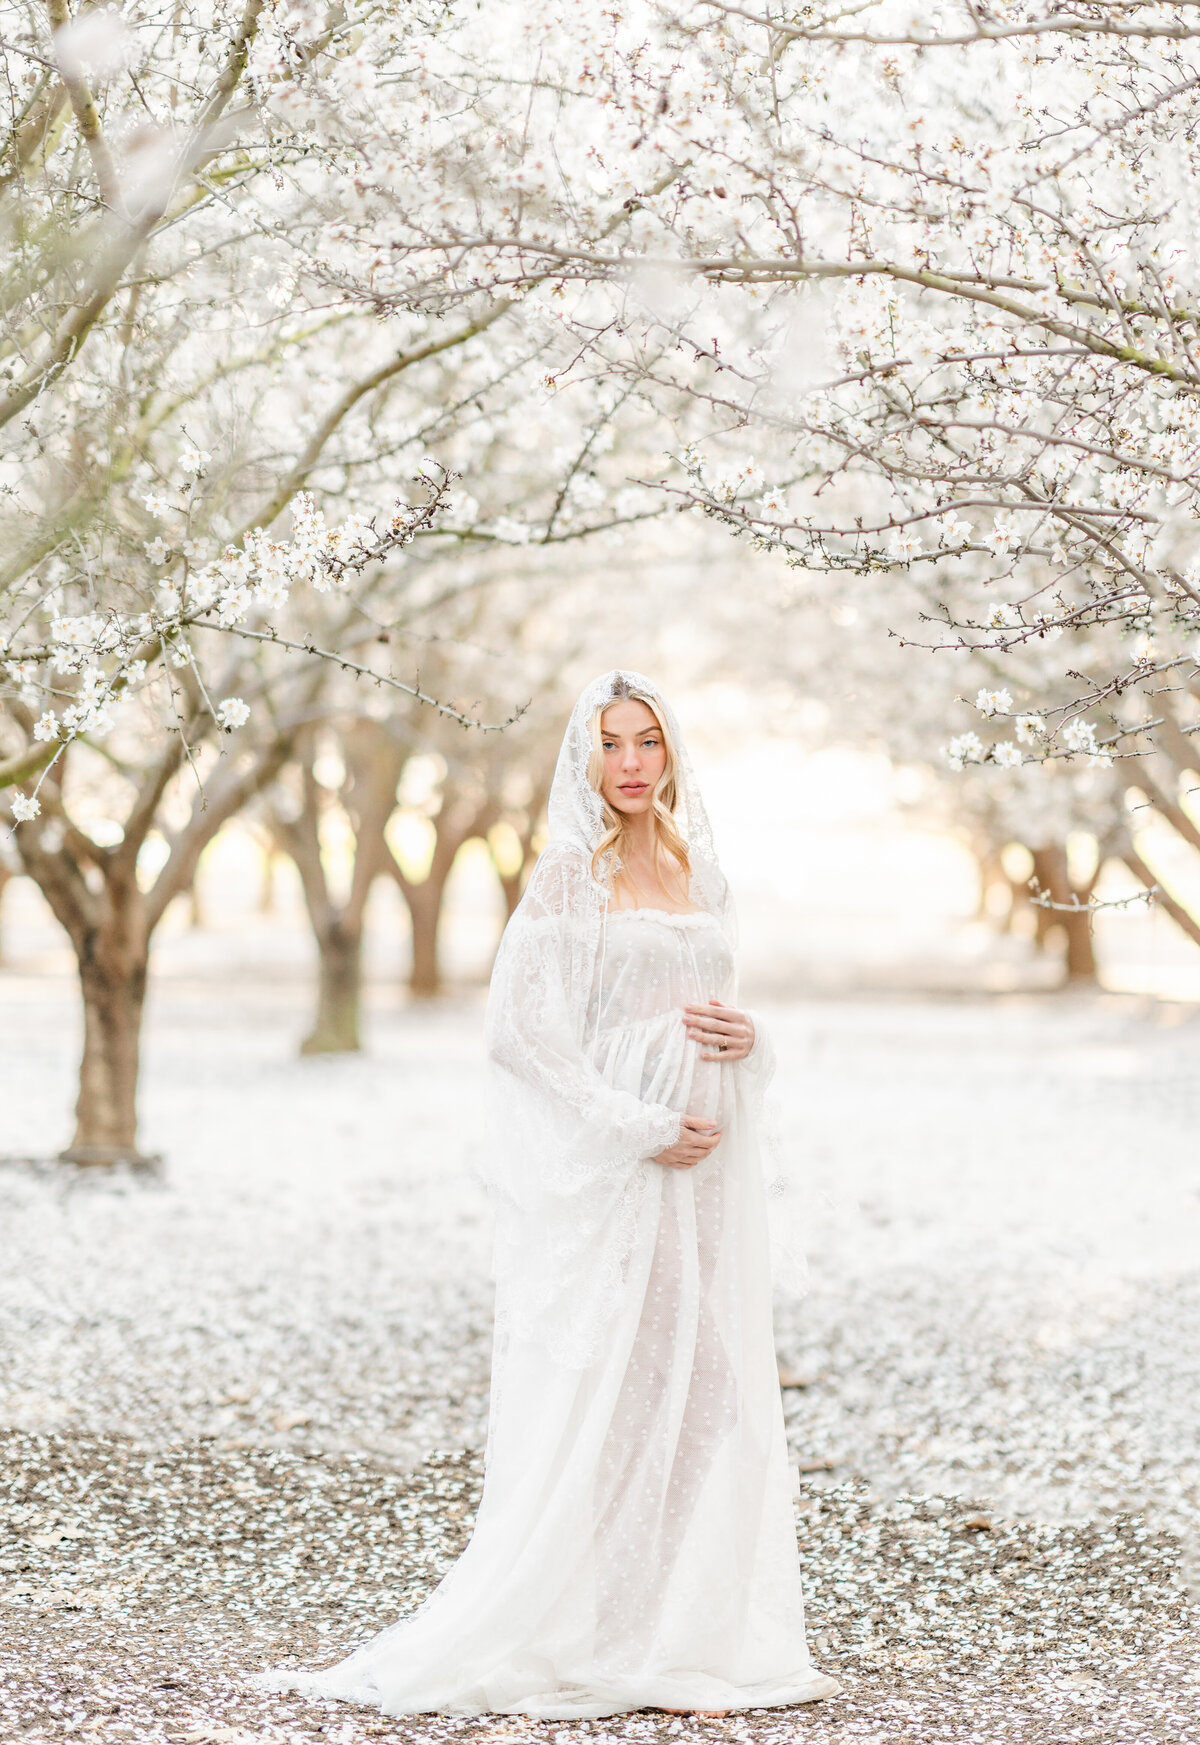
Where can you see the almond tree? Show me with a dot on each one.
(928, 288)
(370, 765)
(160, 787)
(167, 397)
(470, 790)
(519, 633)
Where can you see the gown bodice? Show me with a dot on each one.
(655, 963)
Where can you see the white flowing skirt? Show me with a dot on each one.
(635, 1544)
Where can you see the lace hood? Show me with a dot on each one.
(575, 817)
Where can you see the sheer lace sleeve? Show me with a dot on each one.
(566, 1152)
(759, 1064)
(574, 1127)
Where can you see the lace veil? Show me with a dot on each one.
(574, 812)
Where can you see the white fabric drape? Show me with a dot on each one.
(635, 1544)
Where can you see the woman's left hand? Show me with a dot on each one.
(723, 1032)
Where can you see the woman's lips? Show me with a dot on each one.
(633, 787)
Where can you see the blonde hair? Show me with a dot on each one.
(663, 800)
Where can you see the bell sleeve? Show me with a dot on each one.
(575, 1129)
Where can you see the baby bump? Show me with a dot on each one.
(655, 1060)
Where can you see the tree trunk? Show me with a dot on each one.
(5, 876)
(510, 884)
(112, 978)
(425, 900)
(94, 894)
(268, 890)
(1081, 948)
(339, 991)
(367, 795)
(1050, 871)
(1183, 918)
(455, 826)
(425, 913)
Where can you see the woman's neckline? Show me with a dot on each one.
(668, 914)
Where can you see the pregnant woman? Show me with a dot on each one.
(635, 1545)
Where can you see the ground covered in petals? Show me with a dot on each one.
(228, 1385)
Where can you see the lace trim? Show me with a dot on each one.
(683, 917)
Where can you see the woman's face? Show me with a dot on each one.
(634, 755)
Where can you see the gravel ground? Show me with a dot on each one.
(227, 1387)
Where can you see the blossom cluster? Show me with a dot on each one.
(74, 677)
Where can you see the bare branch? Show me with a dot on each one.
(87, 116)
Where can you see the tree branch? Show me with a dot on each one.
(87, 116)
(1052, 24)
(299, 474)
(1182, 917)
(207, 818)
(24, 765)
(126, 239)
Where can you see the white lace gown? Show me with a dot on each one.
(635, 1545)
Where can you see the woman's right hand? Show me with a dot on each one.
(697, 1138)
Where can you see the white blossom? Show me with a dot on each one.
(1079, 736)
(232, 712)
(45, 727)
(964, 748)
(233, 604)
(1006, 754)
(994, 702)
(904, 544)
(77, 632)
(1003, 536)
(510, 532)
(1050, 631)
(89, 715)
(953, 530)
(586, 493)
(24, 807)
(273, 592)
(743, 481)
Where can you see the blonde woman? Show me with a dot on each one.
(635, 1545)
